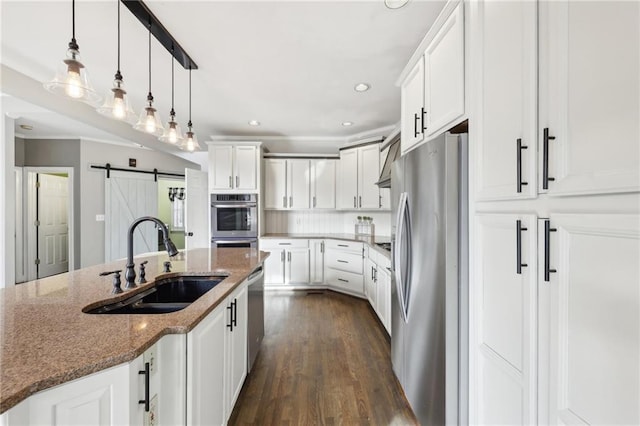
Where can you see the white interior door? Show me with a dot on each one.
(129, 196)
(53, 229)
(197, 210)
(21, 238)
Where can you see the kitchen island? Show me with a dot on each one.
(48, 340)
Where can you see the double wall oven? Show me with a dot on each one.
(234, 220)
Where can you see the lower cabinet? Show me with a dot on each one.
(288, 262)
(343, 262)
(217, 361)
(316, 265)
(377, 277)
(557, 325)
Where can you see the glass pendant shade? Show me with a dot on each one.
(149, 120)
(190, 143)
(172, 134)
(116, 104)
(71, 79)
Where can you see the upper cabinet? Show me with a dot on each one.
(506, 78)
(323, 184)
(589, 130)
(358, 173)
(286, 184)
(432, 90)
(234, 167)
(573, 129)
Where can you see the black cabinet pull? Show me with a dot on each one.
(372, 273)
(545, 158)
(234, 317)
(519, 165)
(145, 401)
(342, 261)
(424, 119)
(519, 264)
(344, 281)
(230, 309)
(415, 125)
(547, 249)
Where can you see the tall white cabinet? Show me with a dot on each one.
(234, 167)
(555, 213)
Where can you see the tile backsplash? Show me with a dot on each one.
(318, 222)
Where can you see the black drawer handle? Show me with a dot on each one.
(342, 261)
(344, 281)
(343, 245)
(284, 244)
(519, 264)
(145, 401)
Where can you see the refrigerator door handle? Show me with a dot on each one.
(397, 258)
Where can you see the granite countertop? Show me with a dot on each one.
(47, 340)
(371, 240)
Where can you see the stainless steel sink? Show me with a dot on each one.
(168, 295)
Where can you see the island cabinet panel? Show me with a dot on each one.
(205, 369)
(99, 399)
(236, 347)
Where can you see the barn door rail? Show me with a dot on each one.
(109, 168)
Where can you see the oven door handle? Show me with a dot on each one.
(223, 242)
(232, 206)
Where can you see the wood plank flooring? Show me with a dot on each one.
(325, 359)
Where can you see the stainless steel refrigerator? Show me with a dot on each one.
(429, 296)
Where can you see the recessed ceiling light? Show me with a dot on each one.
(395, 4)
(26, 127)
(254, 123)
(361, 87)
(347, 123)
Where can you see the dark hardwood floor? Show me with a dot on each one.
(325, 359)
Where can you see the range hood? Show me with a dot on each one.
(393, 142)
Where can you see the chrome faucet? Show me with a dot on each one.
(130, 274)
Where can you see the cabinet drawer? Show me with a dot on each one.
(346, 280)
(344, 245)
(268, 243)
(343, 261)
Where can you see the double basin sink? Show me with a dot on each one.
(167, 295)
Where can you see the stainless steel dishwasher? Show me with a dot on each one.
(255, 319)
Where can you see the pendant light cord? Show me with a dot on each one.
(190, 125)
(173, 61)
(149, 59)
(118, 37)
(73, 20)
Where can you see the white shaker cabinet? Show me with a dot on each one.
(506, 78)
(358, 173)
(236, 347)
(348, 179)
(432, 86)
(385, 193)
(444, 75)
(383, 297)
(412, 107)
(316, 265)
(288, 263)
(206, 369)
(590, 312)
(234, 167)
(287, 184)
(589, 104)
(323, 184)
(506, 329)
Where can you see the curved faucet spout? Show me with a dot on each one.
(130, 274)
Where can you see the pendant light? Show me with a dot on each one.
(149, 121)
(116, 104)
(190, 142)
(172, 133)
(71, 79)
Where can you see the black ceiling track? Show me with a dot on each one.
(155, 172)
(146, 17)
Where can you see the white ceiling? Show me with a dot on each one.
(291, 65)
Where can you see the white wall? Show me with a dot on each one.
(93, 182)
(318, 222)
(7, 212)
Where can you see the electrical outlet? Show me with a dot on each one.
(99, 218)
